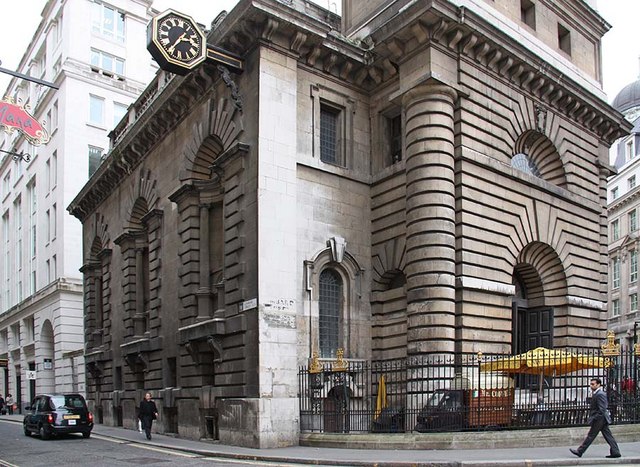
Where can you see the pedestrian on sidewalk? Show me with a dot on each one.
(599, 419)
(147, 414)
(2, 410)
(9, 403)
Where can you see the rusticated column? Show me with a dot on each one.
(430, 218)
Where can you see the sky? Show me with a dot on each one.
(621, 51)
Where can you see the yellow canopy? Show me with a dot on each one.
(546, 362)
(381, 400)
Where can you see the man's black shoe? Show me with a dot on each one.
(575, 452)
(614, 456)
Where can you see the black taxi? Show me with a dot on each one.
(54, 414)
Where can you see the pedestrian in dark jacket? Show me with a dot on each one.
(147, 414)
(600, 419)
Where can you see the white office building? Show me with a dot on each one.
(95, 53)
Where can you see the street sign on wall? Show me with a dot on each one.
(31, 374)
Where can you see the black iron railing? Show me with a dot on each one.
(464, 392)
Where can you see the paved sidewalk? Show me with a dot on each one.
(511, 457)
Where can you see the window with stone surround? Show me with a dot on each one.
(331, 135)
(95, 271)
(615, 307)
(394, 125)
(528, 13)
(332, 127)
(564, 39)
(633, 266)
(615, 274)
(330, 312)
(614, 193)
(535, 154)
(333, 281)
(633, 302)
(134, 245)
(615, 230)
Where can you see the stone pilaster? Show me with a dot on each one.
(430, 218)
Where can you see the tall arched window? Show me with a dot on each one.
(330, 312)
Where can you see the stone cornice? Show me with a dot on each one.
(466, 35)
(619, 204)
(373, 62)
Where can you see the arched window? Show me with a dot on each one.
(523, 163)
(330, 311)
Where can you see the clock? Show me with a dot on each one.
(176, 42)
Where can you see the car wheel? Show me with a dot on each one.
(44, 434)
(26, 431)
(86, 434)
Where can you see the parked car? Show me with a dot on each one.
(55, 414)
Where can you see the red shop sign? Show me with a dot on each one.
(15, 117)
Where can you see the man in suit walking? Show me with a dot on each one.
(599, 418)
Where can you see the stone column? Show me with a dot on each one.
(430, 219)
(204, 289)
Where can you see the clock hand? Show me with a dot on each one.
(173, 46)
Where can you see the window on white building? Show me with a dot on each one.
(108, 22)
(54, 116)
(633, 221)
(615, 276)
(615, 307)
(29, 329)
(119, 111)
(54, 228)
(629, 149)
(631, 182)
(633, 266)
(6, 184)
(615, 230)
(48, 216)
(103, 61)
(614, 193)
(95, 154)
(54, 169)
(96, 110)
(633, 302)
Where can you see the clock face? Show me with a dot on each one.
(176, 42)
(179, 39)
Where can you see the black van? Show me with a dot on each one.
(54, 414)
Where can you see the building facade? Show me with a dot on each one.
(94, 53)
(624, 204)
(414, 178)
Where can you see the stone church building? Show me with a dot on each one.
(410, 178)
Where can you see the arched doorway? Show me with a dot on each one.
(46, 372)
(533, 321)
(540, 283)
